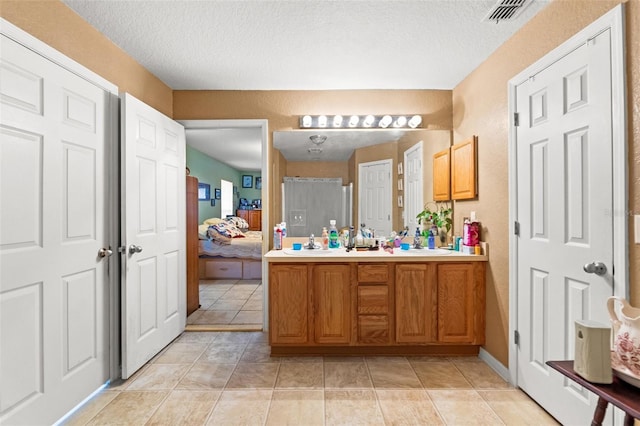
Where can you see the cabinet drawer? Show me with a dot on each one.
(223, 269)
(373, 328)
(373, 273)
(373, 299)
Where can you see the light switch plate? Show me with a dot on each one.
(636, 228)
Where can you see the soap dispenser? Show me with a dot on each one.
(417, 240)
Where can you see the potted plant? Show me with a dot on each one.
(439, 216)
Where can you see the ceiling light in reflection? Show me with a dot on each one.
(400, 121)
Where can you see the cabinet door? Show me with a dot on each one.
(255, 220)
(332, 303)
(288, 301)
(460, 303)
(441, 176)
(463, 170)
(416, 311)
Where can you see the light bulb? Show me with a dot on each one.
(368, 120)
(353, 121)
(337, 121)
(415, 121)
(385, 121)
(322, 121)
(400, 121)
(306, 121)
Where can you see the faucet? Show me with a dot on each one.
(312, 242)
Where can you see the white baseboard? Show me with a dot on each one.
(495, 365)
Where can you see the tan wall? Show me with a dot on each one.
(480, 108)
(54, 23)
(321, 169)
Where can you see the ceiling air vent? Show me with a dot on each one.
(506, 10)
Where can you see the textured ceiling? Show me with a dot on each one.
(303, 44)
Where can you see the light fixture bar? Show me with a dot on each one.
(360, 121)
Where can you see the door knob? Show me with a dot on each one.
(104, 252)
(597, 268)
(134, 249)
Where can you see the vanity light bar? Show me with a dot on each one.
(359, 122)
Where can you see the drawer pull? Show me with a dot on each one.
(224, 269)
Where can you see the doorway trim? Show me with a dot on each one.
(614, 21)
(263, 124)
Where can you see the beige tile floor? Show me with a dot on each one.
(228, 378)
(229, 302)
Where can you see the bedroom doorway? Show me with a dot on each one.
(233, 283)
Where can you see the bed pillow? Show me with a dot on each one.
(202, 232)
(238, 222)
(213, 221)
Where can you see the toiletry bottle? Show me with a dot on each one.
(333, 235)
(277, 238)
(283, 226)
(417, 240)
(325, 238)
(431, 241)
(477, 249)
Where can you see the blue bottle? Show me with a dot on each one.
(431, 241)
(333, 235)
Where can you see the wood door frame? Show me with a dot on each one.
(614, 21)
(263, 124)
(388, 161)
(112, 157)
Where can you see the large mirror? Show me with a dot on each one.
(382, 178)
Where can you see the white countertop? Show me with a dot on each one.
(398, 255)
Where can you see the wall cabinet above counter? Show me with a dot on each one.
(454, 172)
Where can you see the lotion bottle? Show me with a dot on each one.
(325, 238)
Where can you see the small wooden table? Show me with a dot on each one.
(619, 393)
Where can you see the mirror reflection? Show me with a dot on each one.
(382, 178)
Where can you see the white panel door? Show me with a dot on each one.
(564, 184)
(53, 284)
(413, 186)
(374, 196)
(153, 226)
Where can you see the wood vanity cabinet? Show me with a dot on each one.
(374, 303)
(288, 304)
(253, 218)
(403, 307)
(331, 296)
(416, 303)
(461, 302)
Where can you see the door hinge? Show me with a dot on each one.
(516, 228)
(516, 119)
(516, 337)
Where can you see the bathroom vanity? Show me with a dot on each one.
(333, 302)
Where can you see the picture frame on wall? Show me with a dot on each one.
(213, 202)
(258, 182)
(204, 191)
(216, 193)
(247, 181)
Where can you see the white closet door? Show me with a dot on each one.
(53, 284)
(153, 226)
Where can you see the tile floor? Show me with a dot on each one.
(229, 302)
(228, 378)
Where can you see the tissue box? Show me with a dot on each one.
(593, 351)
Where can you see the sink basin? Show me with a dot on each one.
(314, 252)
(422, 252)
